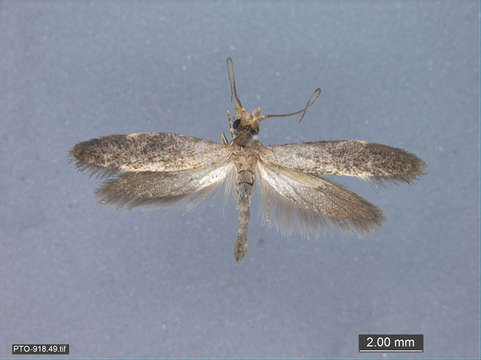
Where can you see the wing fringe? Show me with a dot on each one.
(290, 217)
(417, 169)
(91, 169)
(133, 189)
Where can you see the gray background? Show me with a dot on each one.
(164, 283)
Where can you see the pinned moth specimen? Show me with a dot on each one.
(160, 168)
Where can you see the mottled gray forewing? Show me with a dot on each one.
(366, 160)
(146, 152)
(160, 188)
(305, 202)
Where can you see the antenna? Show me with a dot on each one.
(315, 95)
(231, 76)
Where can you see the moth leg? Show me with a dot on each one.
(231, 128)
(223, 139)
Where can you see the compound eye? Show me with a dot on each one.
(236, 124)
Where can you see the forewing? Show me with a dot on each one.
(160, 188)
(306, 202)
(146, 152)
(366, 160)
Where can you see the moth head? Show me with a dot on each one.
(245, 121)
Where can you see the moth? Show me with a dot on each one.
(161, 168)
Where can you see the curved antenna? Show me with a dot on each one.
(315, 95)
(231, 76)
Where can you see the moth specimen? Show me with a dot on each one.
(160, 168)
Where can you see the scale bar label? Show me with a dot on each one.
(391, 343)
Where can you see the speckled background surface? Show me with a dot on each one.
(164, 283)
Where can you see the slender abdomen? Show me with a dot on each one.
(244, 189)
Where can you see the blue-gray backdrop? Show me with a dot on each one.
(164, 282)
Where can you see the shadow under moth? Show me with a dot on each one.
(161, 168)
